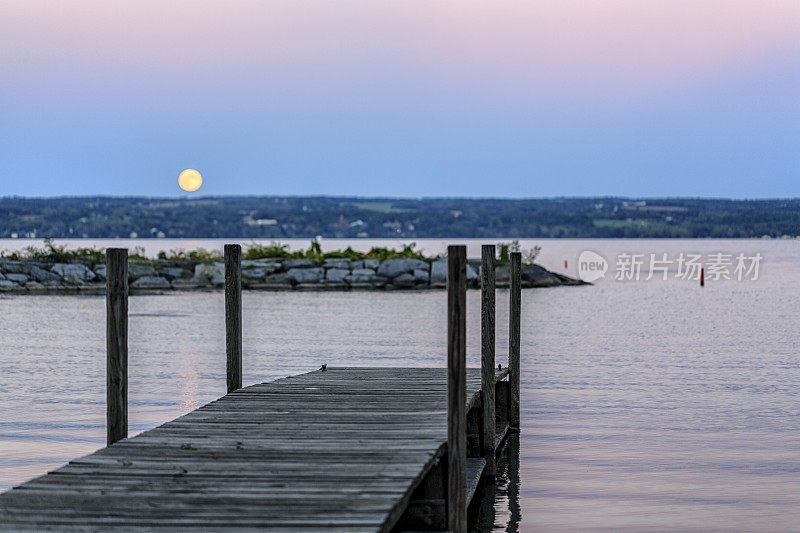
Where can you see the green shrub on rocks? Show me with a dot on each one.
(504, 250)
(261, 251)
(315, 253)
(202, 255)
(407, 252)
(52, 253)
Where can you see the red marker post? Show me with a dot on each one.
(702, 277)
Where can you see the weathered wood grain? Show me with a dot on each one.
(233, 315)
(116, 344)
(457, 388)
(487, 356)
(335, 450)
(514, 338)
(475, 466)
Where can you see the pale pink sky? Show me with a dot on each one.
(555, 44)
(363, 57)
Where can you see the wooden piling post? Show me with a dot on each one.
(116, 344)
(457, 388)
(487, 356)
(513, 338)
(233, 315)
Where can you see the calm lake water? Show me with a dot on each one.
(646, 405)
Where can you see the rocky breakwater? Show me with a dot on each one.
(265, 274)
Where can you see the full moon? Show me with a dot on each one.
(190, 180)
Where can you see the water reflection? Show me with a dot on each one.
(497, 505)
(189, 383)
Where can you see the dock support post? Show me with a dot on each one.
(457, 388)
(513, 338)
(487, 356)
(233, 315)
(116, 344)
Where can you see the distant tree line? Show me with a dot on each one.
(291, 217)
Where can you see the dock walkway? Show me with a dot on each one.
(339, 449)
(342, 449)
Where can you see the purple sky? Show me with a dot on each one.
(406, 98)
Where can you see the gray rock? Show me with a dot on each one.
(74, 272)
(282, 279)
(2, 277)
(502, 274)
(188, 264)
(306, 275)
(279, 267)
(190, 283)
(175, 273)
(248, 263)
(364, 275)
(253, 274)
(210, 272)
(41, 275)
(472, 274)
(404, 280)
(268, 265)
(439, 271)
(336, 274)
(422, 275)
(356, 264)
(19, 279)
(566, 280)
(11, 266)
(336, 262)
(100, 272)
(391, 268)
(358, 279)
(218, 280)
(138, 270)
(7, 284)
(34, 285)
(151, 282)
(536, 276)
(371, 263)
(289, 264)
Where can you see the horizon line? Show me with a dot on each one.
(402, 198)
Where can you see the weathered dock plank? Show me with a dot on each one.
(339, 450)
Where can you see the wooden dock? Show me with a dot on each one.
(343, 449)
(338, 449)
